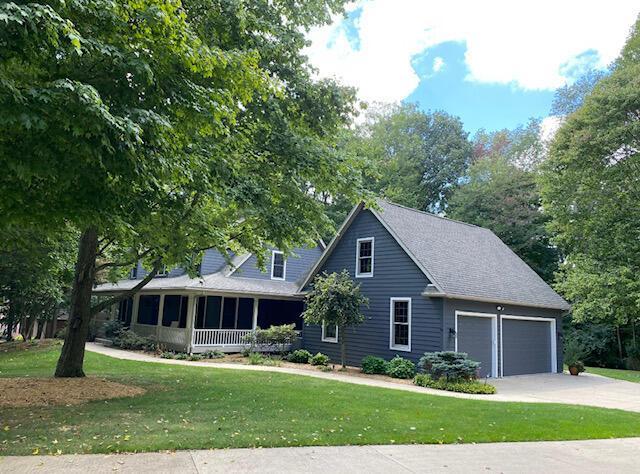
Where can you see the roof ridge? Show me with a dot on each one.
(430, 214)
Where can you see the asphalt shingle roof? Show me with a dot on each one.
(466, 260)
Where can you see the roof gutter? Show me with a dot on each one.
(428, 294)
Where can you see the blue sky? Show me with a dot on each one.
(495, 66)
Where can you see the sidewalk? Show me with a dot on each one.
(594, 456)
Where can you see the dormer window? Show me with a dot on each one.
(364, 257)
(133, 274)
(278, 265)
(162, 272)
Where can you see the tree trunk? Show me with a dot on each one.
(343, 346)
(72, 355)
(619, 344)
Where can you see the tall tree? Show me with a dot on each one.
(569, 98)
(419, 156)
(133, 121)
(504, 198)
(591, 188)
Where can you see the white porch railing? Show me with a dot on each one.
(220, 337)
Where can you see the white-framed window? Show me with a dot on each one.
(400, 324)
(163, 271)
(329, 332)
(364, 257)
(278, 265)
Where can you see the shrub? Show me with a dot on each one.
(319, 359)
(301, 356)
(112, 328)
(167, 355)
(469, 386)
(275, 338)
(181, 356)
(452, 366)
(60, 333)
(256, 358)
(374, 365)
(131, 341)
(401, 368)
(574, 352)
(214, 354)
(195, 357)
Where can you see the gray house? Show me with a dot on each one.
(433, 284)
(437, 284)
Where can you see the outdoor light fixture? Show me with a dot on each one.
(452, 332)
(499, 308)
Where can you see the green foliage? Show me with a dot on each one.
(256, 358)
(462, 386)
(129, 340)
(214, 354)
(335, 299)
(181, 356)
(589, 187)
(167, 355)
(419, 156)
(574, 353)
(374, 365)
(195, 357)
(401, 368)
(319, 359)
(449, 365)
(112, 328)
(502, 197)
(277, 338)
(570, 97)
(300, 356)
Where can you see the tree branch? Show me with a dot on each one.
(95, 309)
(123, 264)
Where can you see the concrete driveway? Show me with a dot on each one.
(585, 389)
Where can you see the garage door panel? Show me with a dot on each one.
(526, 346)
(475, 337)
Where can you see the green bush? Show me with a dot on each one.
(195, 357)
(401, 368)
(131, 341)
(319, 359)
(181, 356)
(256, 358)
(301, 356)
(452, 366)
(277, 338)
(112, 328)
(374, 365)
(167, 355)
(214, 354)
(574, 353)
(470, 386)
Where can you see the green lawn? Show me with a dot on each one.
(628, 375)
(192, 407)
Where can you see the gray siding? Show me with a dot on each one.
(450, 307)
(299, 263)
(212, 262)
(395, 275)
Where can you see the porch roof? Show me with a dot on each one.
(208, 283)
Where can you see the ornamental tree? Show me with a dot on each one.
(335, 300)
(133, 122)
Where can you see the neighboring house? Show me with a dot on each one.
(433, 284)
(220, 307)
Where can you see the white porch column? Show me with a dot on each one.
(256, 302)
(191, 320)
(159, 323)
(136, 306)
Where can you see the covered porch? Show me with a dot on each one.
(200, 322)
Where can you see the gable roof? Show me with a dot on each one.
(461, 260)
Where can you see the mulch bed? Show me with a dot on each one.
(33, 392)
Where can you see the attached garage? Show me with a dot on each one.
(476, 334)
(528, 345)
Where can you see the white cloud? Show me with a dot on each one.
(438, 63)
(531, 45)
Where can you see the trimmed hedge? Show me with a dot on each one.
(319, 359)
(473, 386)
(300, 356)
(374, 365)
(401, 368)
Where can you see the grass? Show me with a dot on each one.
(628, 375)
(193, 407)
